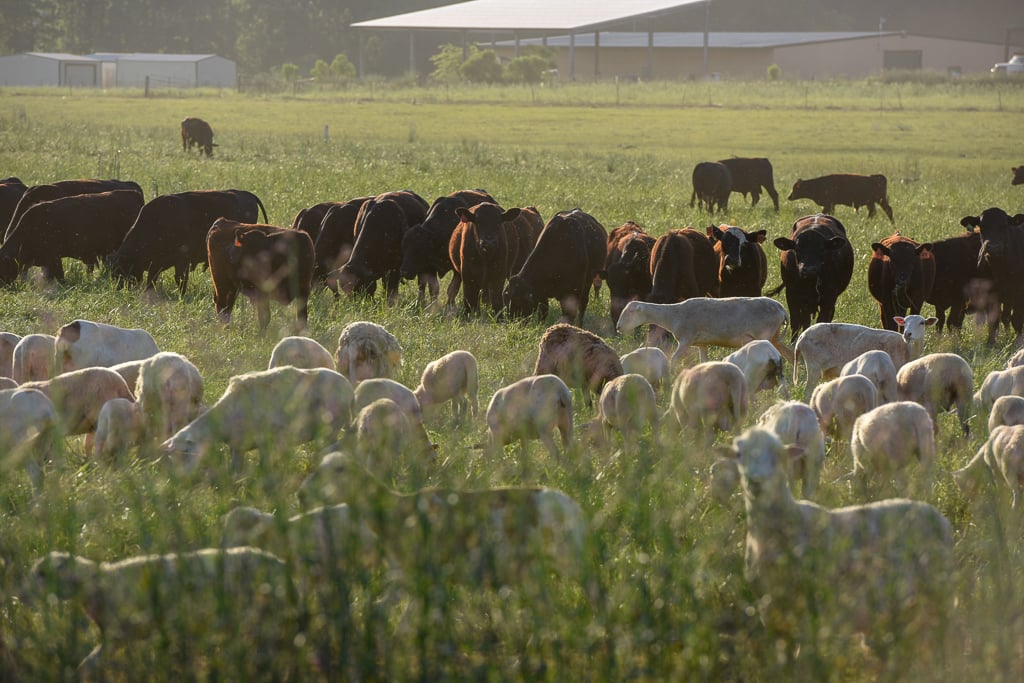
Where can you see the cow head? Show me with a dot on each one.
(797, 192)
(994, 225)
(904, 258)
(486, 221)
(518, 298)
(735, 245)
(811, 249)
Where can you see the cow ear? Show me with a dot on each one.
(880, 249)
(1018, 219)
(784, 243)
(758, 236)
(510, 215)
(465, 214)
(970, 222)
(835, 243)
(239, 234)
(927, 246)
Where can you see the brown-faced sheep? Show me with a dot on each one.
(452, 377)
(939, 381)
(366, 350)
(581, 358)
(710, 396)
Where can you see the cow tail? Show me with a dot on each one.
(260, 204)
(775, 291)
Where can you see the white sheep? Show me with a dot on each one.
(761, 364)
(367, 350)
(119, 428)
(86, 344)
(301, 352)
(888, 439)
(1009, 382)
(627, 404)
(840, 401)
(881, 569)
(1016, 359)
(938, 381)
(8, 340)
(827, 347)
(385, 433)
(703, 322)
(215, 598)
(1002, 457)
(33, 358)
(710, 396)
(878, 367)
(649, 361)
(129, 370)
(370, 390)
(268, 410)
(1007, 410)
(796, 424)
(452, 377)
(169, 392)
(79, 395)
(531, 408)
(29, 430)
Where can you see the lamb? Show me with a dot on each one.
(211, 600)
(703, 322)
(796, 424)
(710, 396)
(8, 341)
(827, 347)
(370, 390)
(385, 432)
(169, 392)
(29, 429)
(267, 410)
(1001, 456)
(367, 350)
(531, 408)
(628, 404)
(878, 367)
(581, 358)
(301, 352)
(1007, 410)
(881, 569)
(1009, 382)
(938, 381)
(649, 361)
(78, 396)
(33, 358)
(452, 377)
(839, 402)
(889, 438)
(86, 344)
(119, 427)
(761, 364)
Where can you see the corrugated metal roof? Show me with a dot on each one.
(528, 15)
(62, 56)
(612, 39)
(147, 57)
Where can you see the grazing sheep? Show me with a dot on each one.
(119, 428)
(840, 401)
(452, 377)
(203, 601)
(370, 390)
(710, 396)
(704, 322)
(1002, 457)
(628, 404)
(1016, 359)
(649, 361)
(881, 569)
(889, 438)
(29, 428)
(582, 359)
(170, 394)
(268, 410)
(878, 367)
(301, 352)
(531, 408)
(78, 396)
(827, 347)
(938, 381)
(1009, 382)
(761, 364)
(385, 433)
(33, 358)
(1007, 410)
(129, 370)
(85, 344)
(367, 350)
(8, 341)
(796, 424)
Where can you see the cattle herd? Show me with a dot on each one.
(705, 288)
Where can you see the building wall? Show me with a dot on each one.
(217, 72)
(666, 63)
(20, 70)
(132, 74)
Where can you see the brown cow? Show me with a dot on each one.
(683, 265)
(64, 188)
(11, 190)
(627, 266)
(850, 189)
(749, 175)
(196, 132)
(900, 276)
(743, 266)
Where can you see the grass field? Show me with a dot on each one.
(668, 559)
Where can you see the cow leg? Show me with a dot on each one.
(453, 290)
(391, 281)
(871, 209)
(54, 270)
(828, 208)
(774, 195)
(302, 313)
(888, 209)
(181, 277)
(755, 197)
(470, 296)
(262, 304)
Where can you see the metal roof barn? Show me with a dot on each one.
(132, 70)
(49, 69)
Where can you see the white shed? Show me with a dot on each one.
(166, 70)
(49, 69)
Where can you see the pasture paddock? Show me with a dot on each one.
(663, 596)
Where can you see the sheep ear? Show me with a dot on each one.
(899, 320)
(795, 450)
(930, 321)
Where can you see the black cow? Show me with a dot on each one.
(568, 254)
(749, 175)
(337, 234)
(960, 284)
(627, 266)
(1002, 250)
(900, 276)
(170, 232)
(1018, 175)
(11, 190)
(816, 265)
(196, 132)
(849, 189)
(742, 264)
(712, 184)
(65, 188)
(309, 220)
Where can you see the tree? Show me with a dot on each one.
(290, 72)
(482, 67)
(321, 71)
(448, 63)
(528, 68)
(342, 70)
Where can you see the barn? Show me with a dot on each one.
(49, 69)
(130, 70)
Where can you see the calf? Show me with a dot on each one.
(900, 276)
(850, 189)
(627, 266)
(749, 175)
(84, 344)
(197, 133)
(742, 265)
(712, 184)
(1002, 250)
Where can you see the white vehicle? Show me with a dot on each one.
(1013, 67)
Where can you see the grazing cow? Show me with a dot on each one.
(742, 267)
(11, 190)
(310, 219)
(263, 262)
(170, 232)
(900, 276)
(335, 236)
(487, 247)
(196, 132)
(562, 265)
(850, 189)
(1002, 250)
(64, 188)
(750, 175)
(960, 282)
(683, 266)
(86, 227)
(1018, 175)
(816, 264)
(425, 245)
(627, 266)
(712, 184)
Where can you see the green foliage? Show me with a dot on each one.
(774, 72)
(342, 70)
(321, 71)
(448, 63)
(289, 72)
(528, 68)
(483, 66)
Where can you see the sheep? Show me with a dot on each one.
(86, 344)
(889, 438)
(1009, 382)
(33, 358)
(881, 569)
(79, 395)
(367, 350)
(761, 364)
(201, 601)
(385, 431)
(29, 428)
(796, 424)
(627, 404)
(8, 340)
(702, 322)
(649, 361)
(1001, 456)
(1016, 359)
(840, 401)
(938, 381)
(827, 347)
(1007, 410)
(452, 377)
(119, 427)
(129, 370)
(370, 390)
(301, 352)
(169, 392)
(581, 358)
(267, 410)
(710, 396)
(878, 367)
(531, 408)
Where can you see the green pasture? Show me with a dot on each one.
(666, 559)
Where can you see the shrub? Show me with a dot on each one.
(482, 67)
(342, 69)
(774, 72)
(528, 69)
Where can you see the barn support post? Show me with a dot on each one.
(650, 55)
(572, 56)
(465, 46)
(597, 55)
(362, 55)
(412, 52)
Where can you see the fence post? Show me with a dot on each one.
(146, 94)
